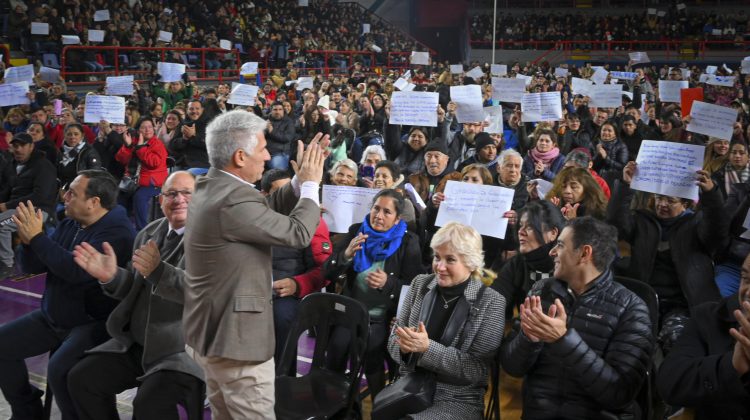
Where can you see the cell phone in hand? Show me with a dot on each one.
(368, 172)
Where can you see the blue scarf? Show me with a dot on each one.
(379, 245)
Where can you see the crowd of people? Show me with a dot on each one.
(268, 32)
(228, 282)
(675, 25)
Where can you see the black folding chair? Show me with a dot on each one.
(323, 393)
(643, 290)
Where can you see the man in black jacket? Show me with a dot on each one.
(591, 363)
(708, 368)
(189, 147)
(280, 135)
(31, 177)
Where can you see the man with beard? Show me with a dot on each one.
(460, 144)
(189, 147)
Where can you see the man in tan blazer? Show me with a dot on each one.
(228, 314)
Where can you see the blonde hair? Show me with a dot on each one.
(467, 243)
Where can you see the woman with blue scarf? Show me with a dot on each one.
(372, 261)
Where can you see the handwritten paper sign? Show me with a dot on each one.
(624, 75)
(745, 66)
(119, 85)
(165, 36)
(251, 67)
(242, 94)
(476, 73)
(711, 69)
(107, 108)
(401, 83)
(545, 106)
(304, 83)
(39, 28)
(346, 206)
(479, 206)
(600, 76)
(468, 101)
(71, 40)
(581, 86)
(498, 69)
(605, 96)
(101, 15)
(668, 168)
(526, 79)
(494, 116)
(365, 28)
(727, 81)
(418, 57)
(712, 120)
(669, 90)
(457, 68)
(687, 97)
(414, 108)
(170, 72)
(20, 74)
(96, 35)
(14, 94)
(561, 72)
(225, 44)
(508, 90)
(49, 74)
(639, 57)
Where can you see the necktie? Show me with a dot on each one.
(170, 243)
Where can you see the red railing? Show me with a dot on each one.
(122, 56)
(120, 61)
(597, 50)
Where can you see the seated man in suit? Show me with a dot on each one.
(592, 365)
(74, 309)
(708, 366)
(147, 349)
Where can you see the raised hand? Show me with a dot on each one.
(146, 258)
(311, 159)
(102, 267)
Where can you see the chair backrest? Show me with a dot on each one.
(647, 294)
(323, 311)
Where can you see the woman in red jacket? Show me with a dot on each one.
(144, 158)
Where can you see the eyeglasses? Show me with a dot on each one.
(172, 195)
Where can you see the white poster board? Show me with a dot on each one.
(561, 72)
(479, 206)
(639, 57)
(107, 108)
(96, 35)
(668, 168)
(476, 73)
(165, 36)
(170, 72)
(119, 85)
(225, 44)
(494, 116)
(669, 90)
(600, 76)
(468, 100)
(39, 28)
(71, 40)
(346, 206)
(414, 108)
(508, 90)
(623, 75)
(546, 106)
(14, 94)
(101, 15)
(49, 74)
(498, 69)
(605, 96)
(457, 68)
(727, 81)
(712, 120)
(251, 67)
(581, 86)
(418, 57)
(20, 74)
(242, 94)
(304, 83)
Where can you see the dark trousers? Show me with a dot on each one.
(374, 356)
(284, 312)
(32, 335)
(96, 380)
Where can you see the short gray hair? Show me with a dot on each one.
(373, 150)
(230, 132)
(344, 162)
(463, 240)
(506, 154)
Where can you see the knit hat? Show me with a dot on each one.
(437, 144)
(22, 138)
(481, 140)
